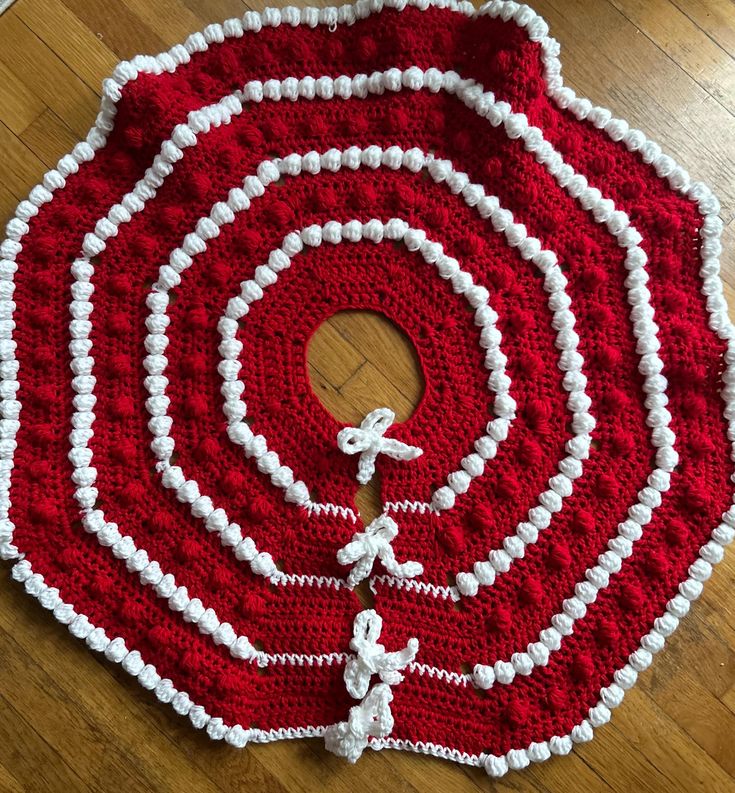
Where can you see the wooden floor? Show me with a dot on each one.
(66, 725)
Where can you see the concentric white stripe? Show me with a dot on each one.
(137, 559)
(265, 275)
(644, 328)
(200, 122)
(335, 232)
(603, 211)
(503, 671)
(617, 129)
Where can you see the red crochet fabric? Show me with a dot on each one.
(176, 493)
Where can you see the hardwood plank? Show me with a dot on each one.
(8, 202)
(717, 608)
(49, 138)
(65, 726)
(119, 28)
(728, 699)
(7, 781)
(198, 756)
(46, 75)
(700, 645)
(328, 394)
(631, 769)
(675, 34)
(218, 10)
(329, 350)
(311, 768)
(681, 765)
(390, 350)
(714, 621)
(22, 169)
(572, 772)
(714, 17)
(65, 35)
(172, 18)
(25, 757)
(368, 389)
(18, 106)
(703, 717)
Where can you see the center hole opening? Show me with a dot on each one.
(359, 360)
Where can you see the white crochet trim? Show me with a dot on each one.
(368, 440)
(603, 211)
(644, 328)
(570, 361)
(372, 718)
(617, 129)
(346, 513)
(422, 507)
(334, 233)
(425, 587)
(223, 213)
(375, 543)
(187, 491)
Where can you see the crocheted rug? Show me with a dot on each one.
(175, 493)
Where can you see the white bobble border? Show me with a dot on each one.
(617, 129)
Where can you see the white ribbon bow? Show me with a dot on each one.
(375, 542)
(367, 440)
(371, 656)
(372, 717)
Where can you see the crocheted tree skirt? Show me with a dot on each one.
(175, 493)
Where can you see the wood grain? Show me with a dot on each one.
(71, 722)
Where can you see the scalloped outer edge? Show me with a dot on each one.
(719, 321)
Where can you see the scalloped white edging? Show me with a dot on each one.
(181, 259)
(239, 199)
(618, 130)
(644, 328)
(335, 232)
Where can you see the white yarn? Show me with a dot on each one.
(372, 717)
(371, 544)
(368, 441)
(371, 656)
(617, 129)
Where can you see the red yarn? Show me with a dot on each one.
(310, 614)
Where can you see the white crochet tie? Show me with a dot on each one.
(375, 542)
(367, 440)
(371, 657)
(372, 716)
